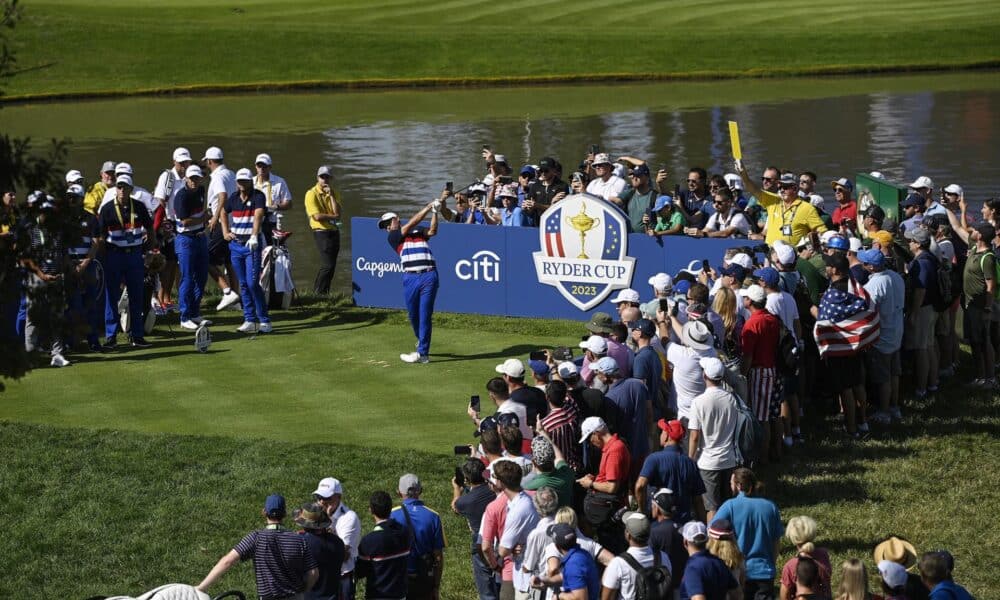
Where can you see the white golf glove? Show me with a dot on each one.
(252, 243)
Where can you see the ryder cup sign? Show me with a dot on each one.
(583, 242)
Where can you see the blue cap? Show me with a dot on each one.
(528, 169)
(681, 287)
(645, 327)
(769, 275)
(641, 170)
(844, 183)
(539, 367)
(838, 242)
(274, 506)
(913, 200)
(661, 202)
(735, 270)
(872, 257)
(606, 365)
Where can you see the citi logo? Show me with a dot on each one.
(483, 266)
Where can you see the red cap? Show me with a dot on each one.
(674, 428)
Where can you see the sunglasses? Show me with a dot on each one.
(263, 166)
(694, 181)
(767, 178)
(840, 191)
(122, 186)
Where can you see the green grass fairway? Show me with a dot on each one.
(325, 374)
(129, 471)
(80, 46)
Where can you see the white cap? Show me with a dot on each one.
(876, 175)
(784, 252)
(606, 365)
(951, 189)
(76, 190)
(511, 367)
(856, 245)
(213, 153)
(328, 487)
(324, 170)
(383, 221)
(742, 260)
(816, 200)
(193, 171)
(499, 158)
(713, 368)
(893, 574)
(73, 176)
(181, 154)
(123, 167)
(595, 344)
(263, 158)
(626, 295)
(755, 293)
(602, 159)
(568, 369)
(733, 180)
(124, 178)
(244, 175)
(694, 531)
(589, 426)
(661, 281)
(803, 242)
(922, 182)
(827, 235)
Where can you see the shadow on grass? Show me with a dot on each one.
(510, 351)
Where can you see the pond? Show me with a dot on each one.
(394, 150)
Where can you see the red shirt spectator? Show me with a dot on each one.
(491, 530)
(760, 339)
(615, 464)
(848, 210)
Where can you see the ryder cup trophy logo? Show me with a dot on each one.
(595, 233)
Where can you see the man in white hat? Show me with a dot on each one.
(169, 183)
(246, 209)
(420, 278)
(279, 197)
(346, 524)
(323, 208)
(605, 183)
(626, 298)
(663, 288)
(696, 343)
(924, 187)
(612, 479)
(124, 225)
(191, 245)
(138, 192)
(222, 185)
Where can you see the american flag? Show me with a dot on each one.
(846, 324)
(553, 234)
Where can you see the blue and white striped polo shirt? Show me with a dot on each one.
(124, 226)
(190, 204)
(241, 213)
(413, 249)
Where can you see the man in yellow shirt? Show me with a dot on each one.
(92, 201)
(323, 208)
(788, 218)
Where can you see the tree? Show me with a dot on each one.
(20, 169)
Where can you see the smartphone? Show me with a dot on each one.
(474, 403)
(665, 306)
(677, 191)
(459, 477)
(506, 179)
(449, 185)
(537, 355)
(593, 149)
(706, 267)
(459, 450)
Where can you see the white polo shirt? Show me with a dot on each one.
(347, 526)
(222, 181)
(173, 180)
(275, 191)
(611, 188)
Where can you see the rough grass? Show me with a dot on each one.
(139, 472)
(77, 46)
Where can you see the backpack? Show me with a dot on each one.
(946, 292)
(787, 360)
(748, 434)
(996, 273)
(651, 583)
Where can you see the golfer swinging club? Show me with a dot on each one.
(420, 278)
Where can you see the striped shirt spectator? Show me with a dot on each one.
(124, 224)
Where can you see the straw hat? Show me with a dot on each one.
(898, 551)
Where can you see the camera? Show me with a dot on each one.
(463, 450)
(537, 355)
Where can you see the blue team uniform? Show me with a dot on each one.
(246, 263)
(191, 246)
(122, 227)
(420, 281)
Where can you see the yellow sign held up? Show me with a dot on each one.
(734, 139)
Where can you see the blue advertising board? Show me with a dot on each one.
(566, 269)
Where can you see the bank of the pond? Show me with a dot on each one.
(179, 47)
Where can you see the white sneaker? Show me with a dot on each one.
(414, 357)
(191, 325)
(59, 360)
(266, 328)
(247, 327)
(228, 300)
(200, 320)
